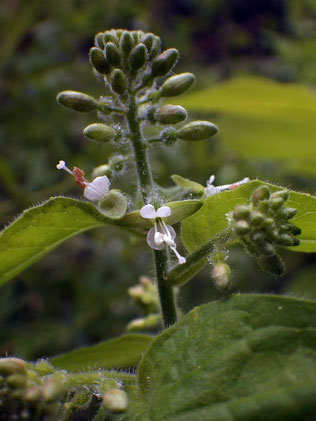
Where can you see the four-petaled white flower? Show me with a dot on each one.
(211, 189)
(93, 191)
(161, 233)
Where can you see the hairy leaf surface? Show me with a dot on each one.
(249, 357)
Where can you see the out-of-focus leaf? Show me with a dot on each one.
(211, 218)
(250, 357)
(42, 228)
(122, 352)
(261, 118)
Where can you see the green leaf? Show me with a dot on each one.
(42, 228)
(211, 218)
(122, 352)
(179, 211)
(249, 357)
(262, 118)
(187, 184)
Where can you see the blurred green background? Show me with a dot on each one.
(77, 295)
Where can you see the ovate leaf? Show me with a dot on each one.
(42, 228)
(122, 352)
(212, 218)
(249, 357)
(262, 118)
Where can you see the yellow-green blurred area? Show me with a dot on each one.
(255, 64)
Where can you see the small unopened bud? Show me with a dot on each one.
(264, 206)
(285, 240)
(276, 202)
(115, 400)
(164, 62)
(284, 194)
(99, 132)
(17, 381)
(156, 47)
(169, 136)
(257, 237)
(98, 61)
(101, 170)
(261, 193)
(177, 85)
(77, 101)
(119, 82)
(112, 54)
(272, 264)
(295, 230)
(127, 43)
(286, 213)
(171, 114)
(12, 366)
(241, 227)
(99, 40)
(221, 274)
(138, 57)
(113, 205)
(148, 40)
(267, 248)
(256, 218)
(197, 130)
(241, 212)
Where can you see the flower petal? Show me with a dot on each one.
(163, 212)
(151, 240)
(148, 212)
(97, 188)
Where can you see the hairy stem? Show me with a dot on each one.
(166, 295)
(167, 302)
(140, 151)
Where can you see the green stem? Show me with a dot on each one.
(167, 302)
(140, 151)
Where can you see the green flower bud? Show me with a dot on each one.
(257, 237)
(261, 193)
(116, 162)
(276, 202)
(98, 61)
(138, 57)
(256, 218)
(241, 212)
(101, 170)
(295, 230)
(268, 223)
(188, 185)
(197, 130)
(169, 136)
(273, 233)
(12, 366)
(77, 101)
(119, 82)
(267, 248)
(112, 54)
(263, 206)
(115, 400)
(109, 37)
(241, 227)
(285, 240)
(221, 275)
(127, 43)
(177, 85)
(99, 132)
(99, 40)
(17, 381)
(155, 49)
(286, 213)
(271, 264)
(284, 194)
(164, 62)
(113, 205)
(148, 40)
(33, 394)
(171, 114)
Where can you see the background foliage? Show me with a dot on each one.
(77, 294)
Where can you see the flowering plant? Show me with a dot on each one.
(223, 360)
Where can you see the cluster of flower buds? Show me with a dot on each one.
(25, 395)
(264, 225)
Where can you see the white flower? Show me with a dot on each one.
(93, 191)
(161, 234)
(211, 189)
